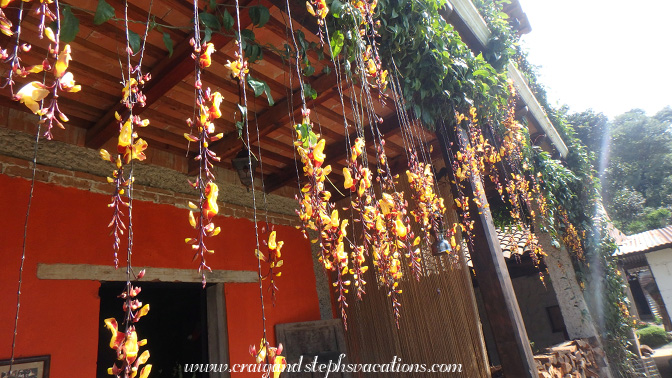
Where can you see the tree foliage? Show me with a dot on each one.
(635, 153)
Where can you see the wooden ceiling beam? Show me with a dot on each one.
(137, 13)
(110, 30)
(167, 73)
(300, 14)
(286, 148)
(163, 136)
(74, 120)
(180, 7)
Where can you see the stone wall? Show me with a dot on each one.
(78, 167)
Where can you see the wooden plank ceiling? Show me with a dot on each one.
(97, 51)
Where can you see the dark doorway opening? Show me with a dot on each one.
(175, 327)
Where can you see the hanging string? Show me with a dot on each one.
(296, 49)
(23, 246)
(249, 162)
(15, 56)
(290, 104)
(15, 60)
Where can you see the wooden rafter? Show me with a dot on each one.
(167, 73)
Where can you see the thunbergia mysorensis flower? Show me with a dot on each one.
(129, 147)
(201, 214)
(317, 212)
(270, 355)
(126, 344)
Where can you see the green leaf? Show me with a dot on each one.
(309, 91)
(134, 41)
(169, 43)
(259, 15)
(227, 20)
(240, 126)
(308, 137)
(253, 52)
(257, 85)
(260, 87)
(243, 110)
(302, 41)
(208, 35)
(336, 8)
(104, 12)
(309, 70)
(248, 34)
(337, 40)
(482, 73)
(209, 20)
(69, 25)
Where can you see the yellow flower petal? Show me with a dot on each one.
(192, 219)
(348, 178)
(271, 241)
(62, 62)
(31, 94)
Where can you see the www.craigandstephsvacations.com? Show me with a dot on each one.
(314, 366)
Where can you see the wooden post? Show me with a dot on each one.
(493, 278)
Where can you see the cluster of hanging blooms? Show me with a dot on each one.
(374, 71)
(126, 343)
(394, 234)
(571, 236)
(358, 179)
(317, 212)
(476, 157)
(239, 67)
(271, 356)
(319, 9)
(368, 33)
(429, 206)
(129, 147)
(34, 93)
(479, 158)
(271, 254)
(202, 213)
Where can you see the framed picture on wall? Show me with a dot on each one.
(29, 367)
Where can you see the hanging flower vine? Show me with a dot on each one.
(126, 344)
(207, 103)
(129, 147)
(57, 61)
(271, 254)
(270, 355)
(430, 207)
(317, 213)
(358, 179)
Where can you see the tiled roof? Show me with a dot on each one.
(514, 241)
(646, 242)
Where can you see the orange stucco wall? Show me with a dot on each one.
(67, 225)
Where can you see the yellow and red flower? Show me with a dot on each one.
(205, 59)
(210, 207)
(31, 94)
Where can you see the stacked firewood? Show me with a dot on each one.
(579, 358)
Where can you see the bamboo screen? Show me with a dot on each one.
(439, 319)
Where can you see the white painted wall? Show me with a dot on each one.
(660, 263)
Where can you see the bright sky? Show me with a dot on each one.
(608, 55)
